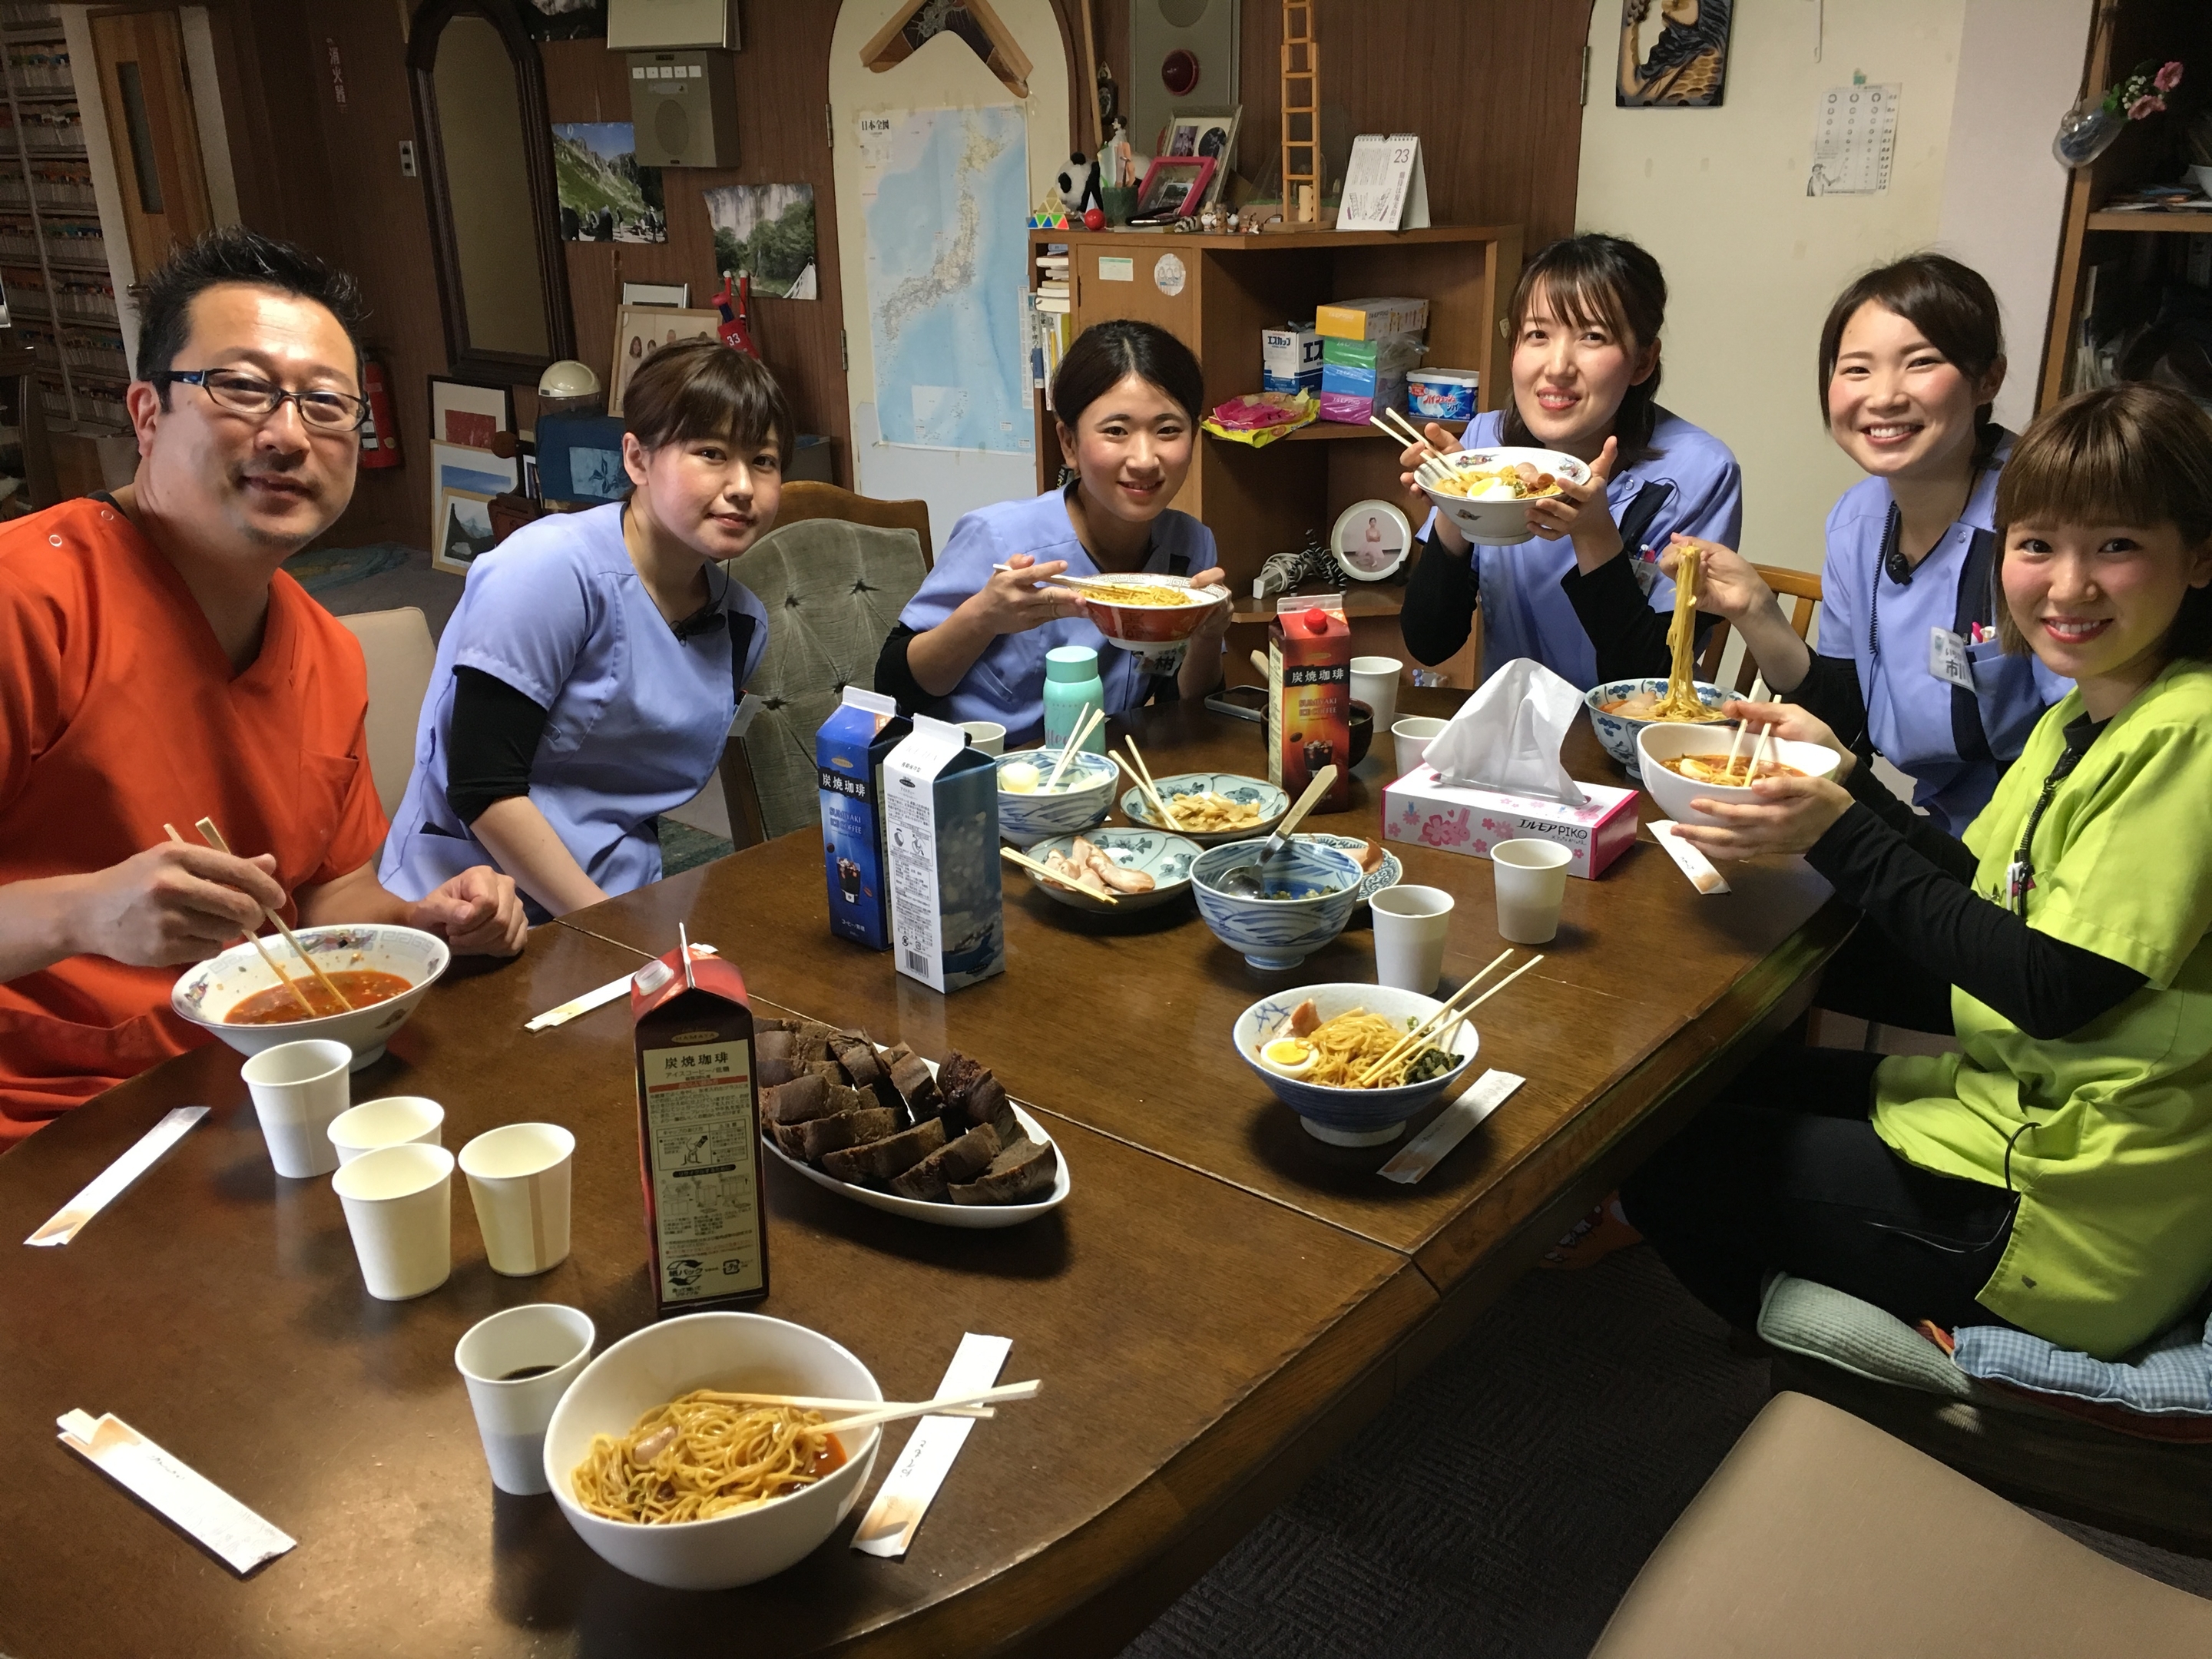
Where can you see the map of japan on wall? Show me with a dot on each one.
(946, 196)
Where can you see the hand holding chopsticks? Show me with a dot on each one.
(213, 837)
(261, 950)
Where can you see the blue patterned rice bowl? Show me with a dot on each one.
(1275, 935)
(1618, 732)
(1084, 798)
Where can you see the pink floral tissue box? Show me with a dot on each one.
(1423, 810)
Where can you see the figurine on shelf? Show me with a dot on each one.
(1209, 219)
(1121, 165)
(735, 329)
(1089, 172)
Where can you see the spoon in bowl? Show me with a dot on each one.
(1247, 881)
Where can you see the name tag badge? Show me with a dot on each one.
(1947, 659)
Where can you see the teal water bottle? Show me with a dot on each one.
(1071, 685)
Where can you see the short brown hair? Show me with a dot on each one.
(1953, 305)
(702, 388)
(1597, 279)
(2134, 454)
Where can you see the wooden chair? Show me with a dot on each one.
(1802, 585)
(833, 575)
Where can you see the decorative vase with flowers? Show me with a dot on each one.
(2086, 130)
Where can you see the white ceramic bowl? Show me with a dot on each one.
(1085, 795)
(1618, 732)
(1500, 524)
(1674, 792)
(655, 1365)
(1349, 1117)
(1152, 630)
(205, 994)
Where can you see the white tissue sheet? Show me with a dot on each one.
(1506, 737)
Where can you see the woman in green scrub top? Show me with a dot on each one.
(2057, 1175)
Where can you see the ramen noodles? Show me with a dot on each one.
(1716, 768)
(705, 1454)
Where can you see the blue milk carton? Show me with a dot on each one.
(940, 812)
(848, 759)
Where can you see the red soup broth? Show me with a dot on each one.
(278, 1007)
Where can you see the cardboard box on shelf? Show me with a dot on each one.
(1424, 811)
(1370, 319)
(1290, 359)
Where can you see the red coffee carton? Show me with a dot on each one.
(1310, 695)
(699, 1141)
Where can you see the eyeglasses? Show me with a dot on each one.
(242, 393)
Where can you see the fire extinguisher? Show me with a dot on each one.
(736, 330)
(380, 433)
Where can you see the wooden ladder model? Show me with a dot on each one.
(1300, 103)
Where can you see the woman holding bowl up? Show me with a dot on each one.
(971, 644)
(1586, 316)
(2053, 1174)
(1910, 666)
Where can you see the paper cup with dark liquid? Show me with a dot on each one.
(519, 1180)
(517, 1365)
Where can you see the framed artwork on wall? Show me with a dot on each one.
(466, 414)
(463, 482)
(1673, 53)
(641, 330)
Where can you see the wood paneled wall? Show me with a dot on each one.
(1493, 86)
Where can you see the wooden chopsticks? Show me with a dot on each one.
(1091, 717)
(213, 837)
(261, 950)
(1035, 868)
(1415, 1040)
(1143, 774)
(892, 1413)
(1397, 426)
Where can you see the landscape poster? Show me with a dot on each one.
(766, 231)
(605, 197)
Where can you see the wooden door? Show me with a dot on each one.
(152, 130)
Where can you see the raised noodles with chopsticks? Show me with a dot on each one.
(1682, 702)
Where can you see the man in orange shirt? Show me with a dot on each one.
(156, 666)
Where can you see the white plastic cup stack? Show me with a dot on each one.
(988, 736)
(298, 1088)
(1375, 682)
(1531, 884)
(394, 1120)
(399, 1208)
(519, 1180)
(1410, 926)
(1412, 735)
(517, 1364)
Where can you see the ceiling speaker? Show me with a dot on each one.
(1183, 55)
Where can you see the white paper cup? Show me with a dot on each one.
(988, 736)
(1412, 736)
(1375, 682)
(298, 1088)
(550, 1345)
(394, 1120)
(1410, 925)
(518, 1179)
(399, 1207)
(1532, 883)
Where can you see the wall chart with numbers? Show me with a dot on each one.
(1854, 140)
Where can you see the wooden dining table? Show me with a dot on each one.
(1221, 1301)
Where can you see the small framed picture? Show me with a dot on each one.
(678, 294)
(1174, 187)
(1206, 132)
(641, 330)
(464, 414)
(464, 529)
(1371, 540)
(471, 476)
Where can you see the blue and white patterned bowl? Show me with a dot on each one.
(205, 994)
(1166, 858)
(1388, 874)
(1230, 786)
(1350, 1117)
(1085, 795)
(1275, 935)
(1618, 732)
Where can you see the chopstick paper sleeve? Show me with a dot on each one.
(203, 1509)
(893, 1520)
(106, 1187)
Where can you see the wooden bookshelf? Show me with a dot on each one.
(1269, 500)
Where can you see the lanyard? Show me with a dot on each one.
(2020, 875)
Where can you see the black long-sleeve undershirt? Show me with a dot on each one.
(895, 675)
(1915, 883)
(1440, 599)
(491, 740)
(1830, 692)
(1627, 635)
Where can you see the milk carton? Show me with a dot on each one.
(1310, 695)
(848, 759)
(940, 813)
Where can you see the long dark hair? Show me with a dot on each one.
(1953, 305)
(1105, 354)
(2134, 454)
(1612, 282)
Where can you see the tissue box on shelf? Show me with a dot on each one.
(1372, 320)
(1290, 359)
(1422, 810)
(1361, 378)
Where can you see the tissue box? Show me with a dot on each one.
(1361, 378)
(1423, 810)
(940, 810)
(1368, 320)
(1290, 359)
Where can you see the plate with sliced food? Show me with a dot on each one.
(888, 1129)
(1140, 868)
(1211, 807)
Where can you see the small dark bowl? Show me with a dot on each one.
(1362, 731)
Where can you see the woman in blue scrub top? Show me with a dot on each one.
(1586, 316)
(586, 683)
(1910, 666)
(970, 644)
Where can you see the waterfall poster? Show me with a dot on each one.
(766, 231)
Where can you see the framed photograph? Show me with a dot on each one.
(464, 529)
(475, 476)
(1174, 186)
(468, 415)
(1674, 54)
(1208, 132)
(1371, 540)
(641, 330)
(605, 197)
(678, 294)
(564, 20)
